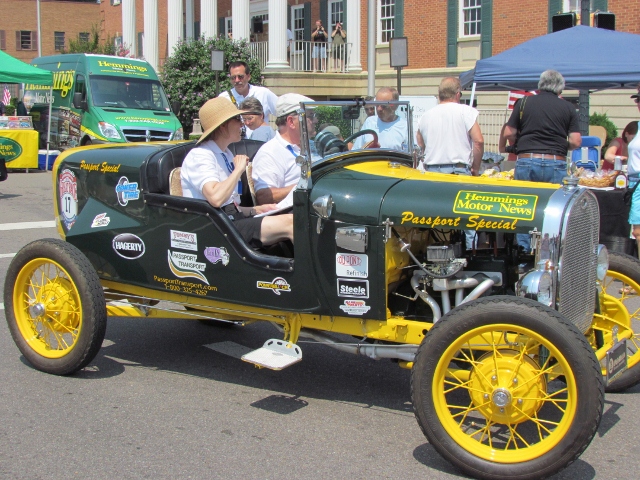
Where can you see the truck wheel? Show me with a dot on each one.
(55, 306)
(623, 283)
(508, 414)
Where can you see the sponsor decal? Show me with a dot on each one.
(352, 265)
(156, 121)
(182, 286)
(126, 191)
(186, 265)
(68, 191)
(9, 149)
(184, 240)
(103, 167)
(355, 307)
(353, 288)
(215, 255)
(100, 220)
(123, 67)
(503, 205)
(410, 217)
(128, 246)
(278, 285)
(62, 82)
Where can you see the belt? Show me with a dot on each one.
(543, 156)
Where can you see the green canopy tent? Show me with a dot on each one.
(13, 70)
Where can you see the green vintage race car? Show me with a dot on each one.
(510, 351)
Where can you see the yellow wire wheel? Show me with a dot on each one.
(55, 306)
(622, 283)
(505, 387)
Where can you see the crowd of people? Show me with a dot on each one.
(540, 132)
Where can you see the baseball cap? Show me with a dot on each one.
(289, 103)
(332, 129)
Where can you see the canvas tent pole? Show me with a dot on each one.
(473, 93)
(46, 161)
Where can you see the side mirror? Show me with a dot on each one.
(351, 113)
(176, 106)
(78, 102)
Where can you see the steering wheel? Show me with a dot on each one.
(372, 144)
(327, 144)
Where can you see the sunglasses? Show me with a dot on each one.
(239, 77)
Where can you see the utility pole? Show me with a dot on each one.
(371, 47)
(583, 98)
(39, 29)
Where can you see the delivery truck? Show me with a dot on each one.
(100, 99)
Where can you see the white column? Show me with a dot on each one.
(129, 26)
(151, 32)
(353, 35)
(240, 18)
(190, 18)
(174, 20)
(277, 35)
(209, 18)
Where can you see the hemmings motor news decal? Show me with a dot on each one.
(184, 240)
(352, 265)
(278, 285)
(502, 205)
(186, 265)
(126, 191)
(353, 288)
(355, 307)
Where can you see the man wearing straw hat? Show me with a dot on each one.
(211, 172)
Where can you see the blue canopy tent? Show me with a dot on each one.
(588, 58)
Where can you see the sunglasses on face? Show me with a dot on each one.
(239, 77)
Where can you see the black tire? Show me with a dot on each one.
(514, 379)
(624, 270)
(55, 306)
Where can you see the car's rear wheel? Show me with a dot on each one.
(55, 306)
(623, 283)
(529, 400)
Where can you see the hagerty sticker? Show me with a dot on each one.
(128, 246)
(215, 255)
(355, 307)
(278, 285)
(352, 265)
(186, 265)
(184, 240)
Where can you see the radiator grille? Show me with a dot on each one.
(144, 135)
(577, 267)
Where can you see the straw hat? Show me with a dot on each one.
(215, 112)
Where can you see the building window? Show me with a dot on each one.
(297, 20)
(574, 6)
(58, 40)
(3, 40)
(26, 40)
(470, 18)
(83, 37)
(228, 27)
(336, 14)
(386, 14)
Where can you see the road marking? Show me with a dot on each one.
(229, 348)
(26, 225)
(7, 255)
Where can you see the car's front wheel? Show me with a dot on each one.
(504, 387)
(55, 306)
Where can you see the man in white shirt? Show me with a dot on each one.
(275, 172)
(391, 129)
(240, 77)
(449, 133)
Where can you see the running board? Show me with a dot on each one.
(274, 354)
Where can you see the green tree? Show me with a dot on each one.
(187, 76)
(603, 120)
(92, 44)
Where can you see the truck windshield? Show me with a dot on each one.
(127, 93)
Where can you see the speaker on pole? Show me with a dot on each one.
(605, 20)
(562, 21)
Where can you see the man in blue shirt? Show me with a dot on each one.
(391, 129)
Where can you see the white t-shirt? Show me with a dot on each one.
(633, 160)
(203, 164)
(274, 166)
(265, 96)
(445, 131)
(391, 135)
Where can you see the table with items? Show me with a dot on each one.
(18, 142)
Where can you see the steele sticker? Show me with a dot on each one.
(126, 191)
(352, 265)
(68, 191)
(186, 265)
(215, 255)
(100, 220)
(353, 288)
(355, 307)
(278, 285)
(184, 240)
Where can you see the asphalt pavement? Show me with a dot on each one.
(170, 399)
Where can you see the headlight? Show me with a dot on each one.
(603, 262)
(107, 130)
(179, 135)
(537, 285)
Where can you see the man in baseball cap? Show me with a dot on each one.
(275, 172)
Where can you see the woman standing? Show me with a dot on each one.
(618, 146)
